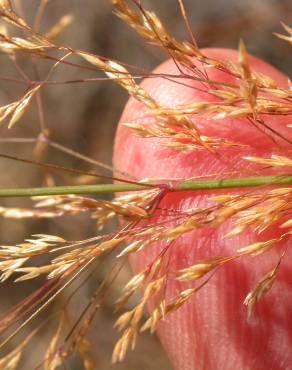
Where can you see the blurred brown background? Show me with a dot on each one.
(83, 116)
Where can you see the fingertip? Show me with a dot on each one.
(210, 332)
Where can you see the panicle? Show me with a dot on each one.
(251, 96)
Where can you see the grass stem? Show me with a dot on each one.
(247, 182)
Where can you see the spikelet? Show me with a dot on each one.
(261, 288)
(285, 37)
(273, 161)
(60, 27)
(54, 358)
(17, 109)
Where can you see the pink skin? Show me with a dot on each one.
(211, 331)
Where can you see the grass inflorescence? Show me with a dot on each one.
(252, 96)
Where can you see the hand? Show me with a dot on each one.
(211, 331)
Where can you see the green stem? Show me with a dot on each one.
(247, 182)
(127, 187)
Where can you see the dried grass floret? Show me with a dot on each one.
(133, 318)
(285, 37)
(273, 161)
(202, 268)
(261, 288)
(17, 109)
(62, 24)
